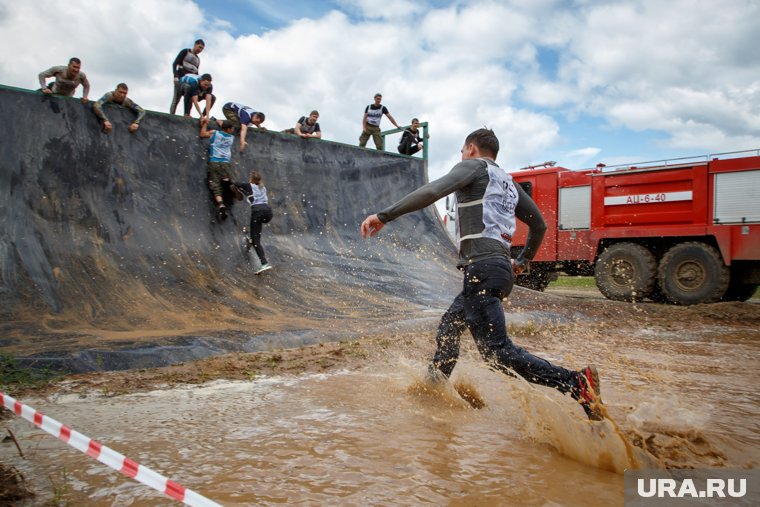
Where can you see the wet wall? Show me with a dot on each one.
(111, 255)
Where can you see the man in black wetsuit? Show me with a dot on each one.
(487, 204)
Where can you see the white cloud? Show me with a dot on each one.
(684, 68)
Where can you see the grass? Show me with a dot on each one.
(12, 375)
(574, 282)
(588, 283)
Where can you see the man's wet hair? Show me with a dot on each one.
(206, 77)
(314, 112)
(75, 60)
(122, 86)
(227, 124)
(262, 116)
(200, 41)
(255, 177)
(485, 140)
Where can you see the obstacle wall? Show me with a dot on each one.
(109, 242)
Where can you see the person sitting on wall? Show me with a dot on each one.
(242, 117)
(67, 78)
(118, 97)
(307, 127)
(411, 142)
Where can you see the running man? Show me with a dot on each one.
(487, 204)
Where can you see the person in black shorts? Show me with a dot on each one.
(488, 202)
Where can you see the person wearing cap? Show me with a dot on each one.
(187, 62)
(373, 113)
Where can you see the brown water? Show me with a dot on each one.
(377, 436)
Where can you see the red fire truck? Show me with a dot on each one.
(685, 231)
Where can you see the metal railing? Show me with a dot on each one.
(683, 160)
(424, 126)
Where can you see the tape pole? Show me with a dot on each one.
(106, 455)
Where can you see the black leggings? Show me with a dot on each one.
(260, 215)
(478, 307)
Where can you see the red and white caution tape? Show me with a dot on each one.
(106, 455)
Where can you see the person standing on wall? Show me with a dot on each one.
(187, 62)
(373, 114)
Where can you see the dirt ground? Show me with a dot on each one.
(576, 309)
(596, 313)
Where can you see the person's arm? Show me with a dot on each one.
(45, 74)
(204, 133)
(197, 104)
(393, 121)
(85, 87)
(459, 176)
(178, 64)
(528, 212)
(243, 132)
(364, 121)
(317, 132)
(140, 112)
(97, 108)
(298, 129)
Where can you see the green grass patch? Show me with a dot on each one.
(574, 282)
(12, 375)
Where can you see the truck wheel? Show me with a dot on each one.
(692, 273)
(626, 272)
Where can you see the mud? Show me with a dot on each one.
(678, 383)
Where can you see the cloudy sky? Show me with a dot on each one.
(579, 82)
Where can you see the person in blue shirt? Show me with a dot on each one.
(194, 89)
(219, 163)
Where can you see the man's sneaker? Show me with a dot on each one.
(434, 376)
(264, 267)
(588, 392)
(221, 212)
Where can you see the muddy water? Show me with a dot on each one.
(379, 436)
